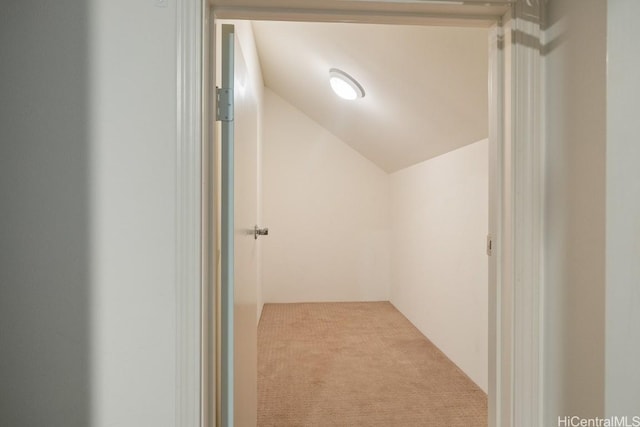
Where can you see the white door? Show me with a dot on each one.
(239, 243)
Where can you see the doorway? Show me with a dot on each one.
(345, 192)
(517, 145)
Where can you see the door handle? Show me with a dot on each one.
(260, 232)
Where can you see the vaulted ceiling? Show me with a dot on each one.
(426, 87)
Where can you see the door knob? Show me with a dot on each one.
(260, 232)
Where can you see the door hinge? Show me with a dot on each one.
(224, 104)
(489, 245)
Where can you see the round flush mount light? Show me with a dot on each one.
(345, 86)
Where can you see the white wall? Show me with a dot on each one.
(326, 207)
(133, 128)
(439, 217)
(88, 126)
(574, 219)
(622, 383)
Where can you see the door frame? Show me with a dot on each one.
(516, 195)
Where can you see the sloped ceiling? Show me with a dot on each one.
(426, 87)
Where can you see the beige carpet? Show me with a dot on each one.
(357, 364)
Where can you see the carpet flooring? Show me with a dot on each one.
(357, 364)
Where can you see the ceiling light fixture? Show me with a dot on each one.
(344, 85)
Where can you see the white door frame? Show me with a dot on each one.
(516, 312)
